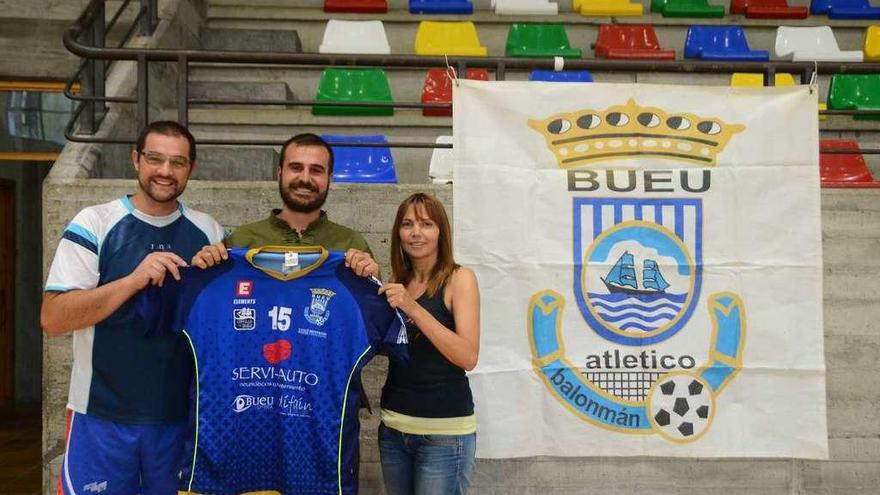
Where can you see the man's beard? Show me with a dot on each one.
(297, 205)
(146, 187)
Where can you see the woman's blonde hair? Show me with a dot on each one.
(401, 265)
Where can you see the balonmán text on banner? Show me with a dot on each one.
(649, 259)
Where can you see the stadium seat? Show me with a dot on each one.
(609, 8)
(686, 8)
(802, 44)
(843, 170)
(756, 80)
(356, 6)
(438, 89)
(448, 38)
(561, 75)
(539, 40)
(633, 41)
(872, 44)
(364, 164)
(768, 9)
(855, 92)
(355, 37)
(440, 7)
(720, 43)
(440, 169)
(353, 85)
(525, 7)
(845, 9)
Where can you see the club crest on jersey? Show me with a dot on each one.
(317, 312)
(244, 318)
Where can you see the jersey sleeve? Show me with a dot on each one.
(385, 326)
(166, 309)
(160, 307)
(75, 265)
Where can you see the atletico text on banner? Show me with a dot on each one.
(651, 267)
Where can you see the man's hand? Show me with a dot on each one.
(361, 263)
(152, 270)
(210, 255)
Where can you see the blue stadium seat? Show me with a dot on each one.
(441, 7)
(720, 43)
(364, 164)
(561, 75)
(845, 9)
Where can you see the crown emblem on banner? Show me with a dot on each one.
(631, 130)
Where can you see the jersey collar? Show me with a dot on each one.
(323, 253)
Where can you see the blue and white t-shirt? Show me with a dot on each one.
(279, 336)
(118, 373)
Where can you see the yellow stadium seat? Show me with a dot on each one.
(608, 8)
(448, 38)
(751, 80)
(822, 117)
(872, 44)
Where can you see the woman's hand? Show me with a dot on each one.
(398, 297)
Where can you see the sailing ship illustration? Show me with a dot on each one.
(622, 277)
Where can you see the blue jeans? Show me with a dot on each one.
(426, 464)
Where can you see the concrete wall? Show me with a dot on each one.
(851, 220)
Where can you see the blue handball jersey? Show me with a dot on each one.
(279, 336)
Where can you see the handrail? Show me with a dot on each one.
(91, 24)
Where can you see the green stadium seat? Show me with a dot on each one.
(539, 40)
(855, 92)
(686, 8)
(353, 85)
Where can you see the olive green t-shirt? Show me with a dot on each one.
(273, 231)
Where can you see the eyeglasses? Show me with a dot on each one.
(156, 159)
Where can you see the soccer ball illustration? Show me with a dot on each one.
(681, 406)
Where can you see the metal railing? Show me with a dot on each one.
(86, 38)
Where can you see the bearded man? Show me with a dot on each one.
(129, 394)
(305, 170)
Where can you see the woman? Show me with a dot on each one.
(427, 437)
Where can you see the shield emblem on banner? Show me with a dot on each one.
(637, 266)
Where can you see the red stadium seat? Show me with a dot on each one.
(634, 42)
(356, 6)
(843, 170)
(438, 89)
(768, 9)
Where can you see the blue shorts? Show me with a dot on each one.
(108, 458)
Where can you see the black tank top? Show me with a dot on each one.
(428, 386)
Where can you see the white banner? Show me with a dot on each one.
(650, 266)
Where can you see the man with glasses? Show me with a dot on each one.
(129, 393)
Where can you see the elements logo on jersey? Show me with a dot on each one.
(244, 288)
(317, 312)
(244, 318)
(638, 263)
